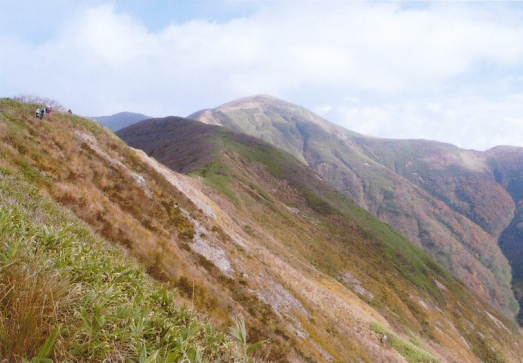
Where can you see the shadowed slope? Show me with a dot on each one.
(178, 142)
(507, 165)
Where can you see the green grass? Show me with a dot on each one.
(409, 350)
(67, 294)
(279, 164)
(217, 176)
(410, 261)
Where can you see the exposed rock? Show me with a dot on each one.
(347, 278)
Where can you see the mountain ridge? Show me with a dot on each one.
(249, 232)
(161, 131)
(378, 175)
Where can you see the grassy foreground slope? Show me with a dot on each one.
(69, 295)
(66, 293)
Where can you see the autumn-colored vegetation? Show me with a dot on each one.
(318, 224)
(451, 202)
(253, 239)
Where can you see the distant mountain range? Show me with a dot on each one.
(120, 120)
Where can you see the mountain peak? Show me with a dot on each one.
(276, 121)
(261, 101)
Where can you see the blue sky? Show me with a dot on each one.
(445, 71)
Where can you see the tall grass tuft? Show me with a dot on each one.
(239, 331)
(29, 305)
(32, 295)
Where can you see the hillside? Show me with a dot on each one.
(453, 203)
(254, 234)
(507, 166)
(340, 279)
(120, 120)
(83, 292)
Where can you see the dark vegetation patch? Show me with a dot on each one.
(179, 143)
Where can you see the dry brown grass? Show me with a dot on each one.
(32, 301)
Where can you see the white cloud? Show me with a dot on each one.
(469, 122)
(401, 66)
(108, 38)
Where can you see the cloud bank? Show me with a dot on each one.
(444, 71)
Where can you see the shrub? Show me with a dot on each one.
(44, 101)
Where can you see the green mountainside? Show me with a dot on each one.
(77, 257)
(453, 203)
(250, 256)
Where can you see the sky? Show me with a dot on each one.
(444, 71)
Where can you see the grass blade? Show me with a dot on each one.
(48, 345)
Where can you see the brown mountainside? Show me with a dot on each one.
(453, 203)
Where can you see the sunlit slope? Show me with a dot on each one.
(338, 274)
(66, 293)
(445, 200)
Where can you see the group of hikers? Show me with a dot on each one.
(40, 112)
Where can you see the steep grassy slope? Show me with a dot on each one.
(248, 236)
(66, 294)
(444, 199)
(339, 278)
